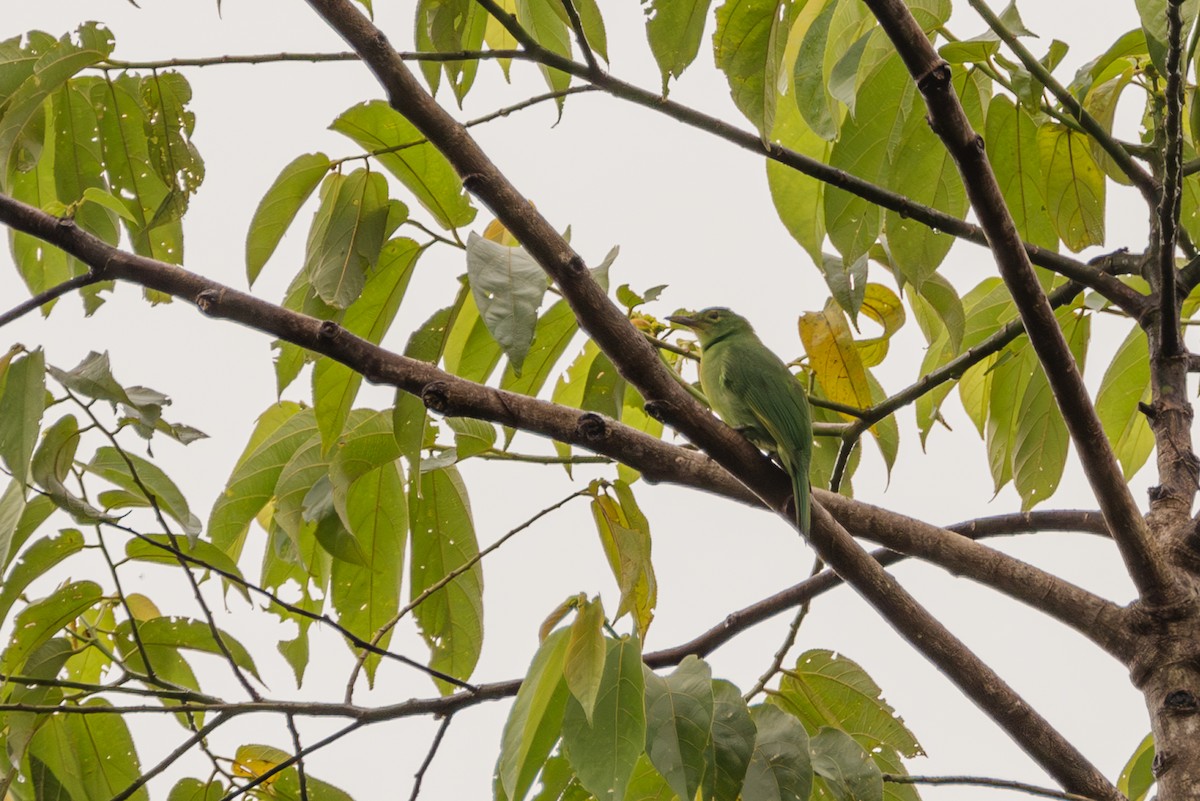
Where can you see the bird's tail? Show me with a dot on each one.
(798, 469)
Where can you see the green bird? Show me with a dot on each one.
(754, 392)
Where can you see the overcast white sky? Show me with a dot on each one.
(687, 211)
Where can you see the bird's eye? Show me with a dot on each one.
(713, 315)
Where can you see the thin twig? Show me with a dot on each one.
(433, 749)
(71, 284)
(789, 640)
(300, 773)
(983, 781)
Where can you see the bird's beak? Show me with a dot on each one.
(685, 320)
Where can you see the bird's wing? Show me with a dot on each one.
(772, 395)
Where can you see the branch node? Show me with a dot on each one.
(435, 396)
(471, 181)
(1148, 410)
(329, 330)
(1161, 762)
(936, 79)
(1156, 493)
(591, 427)
(576, 264)
(658, 409)
(1181, 702)
(207, 299)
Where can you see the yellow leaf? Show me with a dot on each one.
(252, 761)
(834, 357)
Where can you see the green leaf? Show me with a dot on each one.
(335, 385)
(140, 477)
(1153, 14)
(535, 720)
(799, 199)
(194, 635)
(280, 432)
(41, 620)
(862, 150)
(172, 152)
(846, 767)
(780, 768)
(23, 105)
(366, 596)
(508, 286)
(583, 667)
(279, 206)
(35, 562)
(443, 540)
(546, 21)
(1041, 439)
(1073, 186)
(471, 436)
(1126, 383)
(749, 46)
(419, 166)
(828, 689)
(679, 723)
(132, 170)
(22, 401)
(93, 756)
(453, 26)
(927, 174)
(147, 549)
(347, 235)
(1137, 777)
(674, 29)
(604, 754)
(52, 461)
(287, 786)
(12, 507)
(1012, 148)
(188, 789)
(551, 336)
(732, 744)
(812, 98)
(591, 383)
(848, 283)
(471, 351)
(647, 784)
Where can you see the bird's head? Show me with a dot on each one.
(711, 324)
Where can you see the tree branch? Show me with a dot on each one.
(42, 298)
(949, 121)
(1169, 204)
(983, 781)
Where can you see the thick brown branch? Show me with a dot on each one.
(966, 147)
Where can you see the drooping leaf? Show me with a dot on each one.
(453, 26)
(367, 595)
(347, 235)
(799, 199)
(443, 540)
(1074, 186)
(551, 336)
(279, 206)
(536, 717)
(625, 537)
(93, 755)
(1126, 383)
(845, 766)
(508, 286)
(749, 46)
(583, 666)
(22, 401)
(604, 754)
(546, 21)
(1012, 148)
(470, 351)
(194, 635)
(680, 716)
(732, 745)
(674, 30)
(252, 483)
(780, 767)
